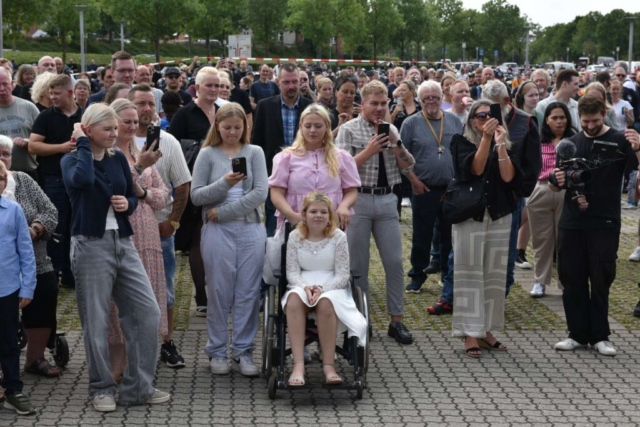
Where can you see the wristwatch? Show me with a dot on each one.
(174, 224)
(36, 229)
(138, 168)
(399, 143)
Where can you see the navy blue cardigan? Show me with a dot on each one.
(90, 185)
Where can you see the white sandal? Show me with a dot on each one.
(296, 381)
(334, 379)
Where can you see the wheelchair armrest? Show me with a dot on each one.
(355, 274)
(277, 273)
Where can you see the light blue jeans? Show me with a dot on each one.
(110, 268)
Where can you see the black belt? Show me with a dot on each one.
(376, 191)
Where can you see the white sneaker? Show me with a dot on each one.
(635, 256)
(104, 403)
(158, 396)
(538, 290)
(629, 206)
(219, 366)
(406, 203)
(568, 345)
(605, 348)
(245, 366)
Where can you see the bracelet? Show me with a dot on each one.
(503, 160)
(138, 168)
(144, 193)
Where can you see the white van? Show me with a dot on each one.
(557, 65)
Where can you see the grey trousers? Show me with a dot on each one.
(378, 215)
(233, 255)
(106, 268)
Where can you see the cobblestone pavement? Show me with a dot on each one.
(430, 382)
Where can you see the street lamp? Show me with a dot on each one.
(1, 39)
(477, 54)
(464, 52)
(617, 53)
(567, 54)
(631, 20)
(526, 52)
(122, 24)
(83, 59)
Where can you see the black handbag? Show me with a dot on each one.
(464, 200)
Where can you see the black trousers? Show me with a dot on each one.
(587, 257)
(9, 348)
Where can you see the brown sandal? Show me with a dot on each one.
(43, 371)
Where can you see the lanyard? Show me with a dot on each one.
(438, 138)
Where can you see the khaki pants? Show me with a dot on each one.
(545, 208)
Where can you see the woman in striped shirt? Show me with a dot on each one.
(544, 205)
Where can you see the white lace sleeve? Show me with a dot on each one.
(293, 266)
(341, 273)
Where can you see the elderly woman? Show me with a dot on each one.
(153, 195)
(82, 91)
(39, 317)
(40, 91)
(481, 243)
(26, 75)
(313, 163)
(107, 265)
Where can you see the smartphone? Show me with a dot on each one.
(384, 128)
(239, 165)
(496, 112)
(153, 133)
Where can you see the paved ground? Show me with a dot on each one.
(429, 383)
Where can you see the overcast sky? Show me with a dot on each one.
(550, 12)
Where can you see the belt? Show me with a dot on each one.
(376, 191)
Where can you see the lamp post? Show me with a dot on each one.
(526, 51)
(464, 52)
(122, 24)
(83, 59)
(631, 20)
(568, 54)
(1, 38)
(617, 53)
(477, 54)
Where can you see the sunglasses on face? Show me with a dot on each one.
(482, 116)
(621, 76)
(172, 76)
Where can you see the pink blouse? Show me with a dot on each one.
(300, 175)
(548, 160)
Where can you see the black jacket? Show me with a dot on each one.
(524, 134)
(268, 132)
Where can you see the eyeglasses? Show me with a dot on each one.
(172, 76)
(126, 71)
(482, 116)
(430, 99)
(624, 76)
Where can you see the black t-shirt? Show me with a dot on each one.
(56, 127)
(604, 189)
(241, 97)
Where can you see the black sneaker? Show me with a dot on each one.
(433, 268)
(169, 354)
(521, 260)
(400, 332)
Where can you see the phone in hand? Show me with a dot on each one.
(496, 112)
(384, 128)
(239, 165)
(153, 133)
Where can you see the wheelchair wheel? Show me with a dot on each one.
(23, 340)
(61, 351)
(359, 391)
(272, 386)
(268, 331)
(363, 308)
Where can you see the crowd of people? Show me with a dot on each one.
(105, 175)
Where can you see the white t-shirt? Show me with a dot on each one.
(112, 223)
(622, 121)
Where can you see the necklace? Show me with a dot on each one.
(438, 138)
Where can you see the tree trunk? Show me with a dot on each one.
(418, 51)
(375, 49)
(63, 36)
(402, 56)
(208, 44)
(110, 35)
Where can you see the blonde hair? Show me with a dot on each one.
(227, 111)
(324, 81)
(317, 197)
(118, 106)
(41, 86)
(205, 71)
(599, 87)
(96, 114)
(470, 131)
(375, 87)
(299, 144)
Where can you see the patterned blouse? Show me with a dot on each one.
(37, 208)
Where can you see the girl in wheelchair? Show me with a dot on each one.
(317, 262)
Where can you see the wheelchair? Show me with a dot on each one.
(57, 345)
(274, 337)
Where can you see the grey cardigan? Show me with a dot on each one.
(209, 187)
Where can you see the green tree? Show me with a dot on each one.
(266, 19)
(19, 15)
(63, 20)
(313, 19)
(216, 20)
(413, 26)
(584, 39)
(381, 20)
(502, 26)
(154, 20)
(613, 31)
(449, 14)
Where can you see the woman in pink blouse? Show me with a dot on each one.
(153, 195)
(313, 163)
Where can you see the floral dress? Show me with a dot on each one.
(146, 238)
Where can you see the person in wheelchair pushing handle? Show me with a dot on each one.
(318, 275)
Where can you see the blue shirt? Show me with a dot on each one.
(260, 91)
(289, 120)
(17, 261)
(90, 185)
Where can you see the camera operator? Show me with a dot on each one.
(589, 229)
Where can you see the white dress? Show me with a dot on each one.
(326, 265)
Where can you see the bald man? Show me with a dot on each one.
(46, 64)
(487, 74)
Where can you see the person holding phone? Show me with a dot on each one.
(346, 108)
(313, 163)
(233, 237)
(106, 264)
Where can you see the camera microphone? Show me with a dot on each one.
(566, 149)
